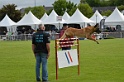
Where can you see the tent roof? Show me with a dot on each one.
(44, 17)
(29, 19)
(116, 16)
(78, 17)
(97, 17)
(52, 18)
(6, 21)
(66, 16)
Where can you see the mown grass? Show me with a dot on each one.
(102, 62)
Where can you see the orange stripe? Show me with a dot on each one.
(70, 56)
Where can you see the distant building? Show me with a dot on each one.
(22, 10)
(101, 9)
(104, 0)
(48, 8)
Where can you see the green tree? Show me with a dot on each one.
(116, 2)
(119, 2)
(106, 13)
(104, 3)
(71, 8)
(48, 12)
(60, 6)
(82, 1)
(11, 11)
(121, 7)
(38, 11)
(85, 9)
(113, 2)
(93, 3)
(99, 3)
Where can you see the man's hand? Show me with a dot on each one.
(33, 47)
(48, 55)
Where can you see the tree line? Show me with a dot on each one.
(61, 6)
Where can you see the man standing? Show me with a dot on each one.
(41, 50)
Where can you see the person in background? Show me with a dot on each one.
(41, 50)
(65, 26)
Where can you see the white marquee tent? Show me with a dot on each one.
(66, 16)
(116, 18)
(97, 17)
(7, 22)
(52, 19)
(44, 17)
(79, 18)
(29, 19)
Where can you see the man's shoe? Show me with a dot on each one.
(38, 80)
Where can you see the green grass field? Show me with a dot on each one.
(102, 62)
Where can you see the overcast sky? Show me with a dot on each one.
(27, 3)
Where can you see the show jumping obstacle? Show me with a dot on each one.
(72, 42)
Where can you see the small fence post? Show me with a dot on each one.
(56, 59)
(78, 57)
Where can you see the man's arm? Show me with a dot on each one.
(48, 49)
(33, 47)
(61, 33)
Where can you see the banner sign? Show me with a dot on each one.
(59, 18)
(67, 58)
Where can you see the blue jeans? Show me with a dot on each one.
(41, 58)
